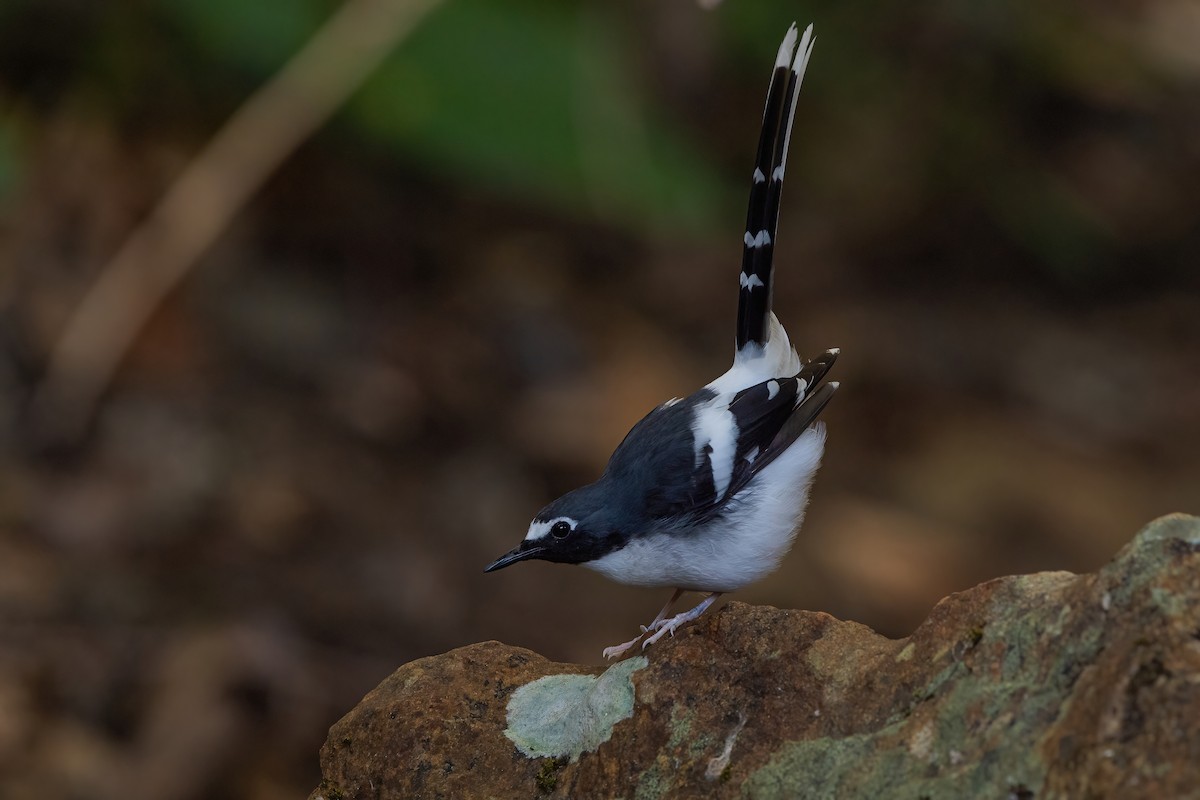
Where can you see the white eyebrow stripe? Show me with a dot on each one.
(539, 529)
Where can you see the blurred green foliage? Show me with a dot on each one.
(257, 37)
(533, 99)
(955, 123)
(537, 98)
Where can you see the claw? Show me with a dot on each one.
(618, 650)
(668, 627)
(658, 626)
(679, 620)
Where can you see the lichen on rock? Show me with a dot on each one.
(567, 715)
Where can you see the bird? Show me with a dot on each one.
(706, 493)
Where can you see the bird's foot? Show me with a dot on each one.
(616, 651)
(679, 620)
(665, 627)
(659, 620)
(619, 650)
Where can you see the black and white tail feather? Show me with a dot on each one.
(707, 492)
(766, 189)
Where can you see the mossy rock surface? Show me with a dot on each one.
(1035, 686)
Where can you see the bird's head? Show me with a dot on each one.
(575, 529)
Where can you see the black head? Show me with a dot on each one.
(574, 529)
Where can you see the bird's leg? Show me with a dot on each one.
(616, 651)
(673, 624)
(658, 621)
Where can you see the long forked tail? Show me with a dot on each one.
(754, 297)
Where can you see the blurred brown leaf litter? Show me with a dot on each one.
(439, 313)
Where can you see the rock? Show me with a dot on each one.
(1046, 685)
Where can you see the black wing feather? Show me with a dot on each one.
(661, 447)
(770, 425)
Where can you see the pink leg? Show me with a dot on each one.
(616, 651)
(658, 621)
(675, 622)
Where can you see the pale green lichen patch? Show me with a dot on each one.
(656, 781)
(1173, 604)
(1150, 554)
(868, 765)
(1173, 526)
(681, 726)
(566, 715)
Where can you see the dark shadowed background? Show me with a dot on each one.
(449, 304)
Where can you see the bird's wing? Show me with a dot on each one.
(772, 415)
(734, 438)
(687, 457)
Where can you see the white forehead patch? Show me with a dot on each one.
(538, 529)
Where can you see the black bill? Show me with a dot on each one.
(519, 553)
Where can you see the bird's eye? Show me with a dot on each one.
(560, 530)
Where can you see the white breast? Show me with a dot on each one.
(745, 544)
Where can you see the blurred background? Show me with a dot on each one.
(220, 528)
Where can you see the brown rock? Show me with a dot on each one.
(1047, 685)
